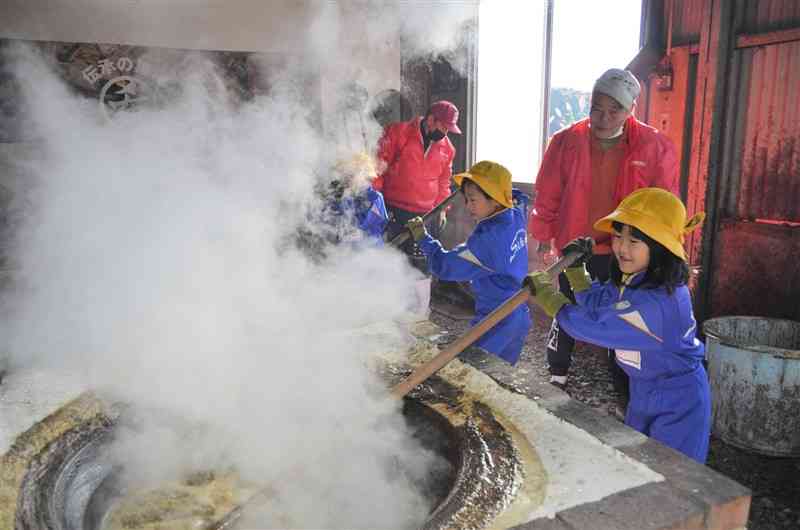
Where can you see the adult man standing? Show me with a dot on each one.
(588, 168)
(415, 166)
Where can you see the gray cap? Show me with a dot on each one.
(620, 85)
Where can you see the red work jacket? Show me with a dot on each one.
(410, 178)
(564, 183)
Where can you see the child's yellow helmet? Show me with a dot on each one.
(492, 178)
(657, 213)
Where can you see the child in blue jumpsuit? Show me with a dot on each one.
(494, 259)
(364, 210)
(345, 209)
(644, 312)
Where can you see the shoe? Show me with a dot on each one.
(559, 381)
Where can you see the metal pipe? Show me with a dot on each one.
(548, 57)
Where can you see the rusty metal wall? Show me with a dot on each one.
(762, 156)
(741, 156)
(768, 15)
(755, 246)
(686, 20)
(756, 270)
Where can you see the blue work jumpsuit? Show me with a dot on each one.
(494, 259)
(367, 211)
(654, 336)
(371, 215)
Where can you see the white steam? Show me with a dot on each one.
(153, 260)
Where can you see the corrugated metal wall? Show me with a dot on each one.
(742, 157)
(686, 18)
(768, 15)
(765, 153)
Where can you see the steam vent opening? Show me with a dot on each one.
(73, 485)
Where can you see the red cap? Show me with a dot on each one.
(447, 113)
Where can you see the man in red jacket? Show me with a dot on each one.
(588, 168)
(416, 164)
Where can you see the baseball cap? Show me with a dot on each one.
(620, 85)
(447, 113)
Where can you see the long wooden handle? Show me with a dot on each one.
(423, 372)
(404, 234)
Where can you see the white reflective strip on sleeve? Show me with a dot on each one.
(635, 319)
(630, 358)
(691, 329)
(469, 256)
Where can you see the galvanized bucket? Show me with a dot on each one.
(754, 369)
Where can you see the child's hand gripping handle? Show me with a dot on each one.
(424, 371)
(401, 238)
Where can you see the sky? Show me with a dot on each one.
(588, 38)
(510, 84)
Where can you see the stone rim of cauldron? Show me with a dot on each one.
(55, 495)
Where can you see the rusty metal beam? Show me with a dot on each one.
(716, 44)
(749, 40)
(770, 37)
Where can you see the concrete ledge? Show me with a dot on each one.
(691, 497)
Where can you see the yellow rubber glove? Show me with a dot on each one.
(417, 228)
(578, 278)
(545, 295)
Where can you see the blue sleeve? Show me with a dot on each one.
(620, 325)
(373, 226)
(463, 263)
(595, 296)
(373, 219)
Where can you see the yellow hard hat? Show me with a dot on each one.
(657, 213)
(492, 178)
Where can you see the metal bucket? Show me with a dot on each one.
(754, 369)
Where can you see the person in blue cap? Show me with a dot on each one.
(494, 259)
(644, 313)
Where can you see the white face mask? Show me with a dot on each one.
(616, 133)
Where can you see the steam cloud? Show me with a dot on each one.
(151, 260)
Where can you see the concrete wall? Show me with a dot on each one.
(320, 34)
(241, 25)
